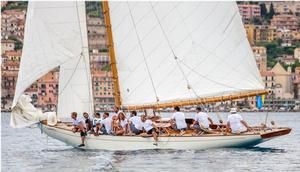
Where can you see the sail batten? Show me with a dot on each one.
(192, 49)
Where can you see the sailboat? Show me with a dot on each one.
(162, 54)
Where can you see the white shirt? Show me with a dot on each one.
(147, 125)
(123, 123)
(96, 121)
(107, 124)
(137, 122)
(180, 120)
(77, 121)
(235, 122)
(202, 119)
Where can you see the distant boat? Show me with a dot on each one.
(162, 54)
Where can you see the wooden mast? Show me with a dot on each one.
(198, 100)
(111, 53)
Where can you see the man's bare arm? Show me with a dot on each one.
(245, 124)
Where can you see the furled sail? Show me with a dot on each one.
(55, 35)
(170, 51)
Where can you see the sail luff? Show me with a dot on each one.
(198, 101)
(114, 70)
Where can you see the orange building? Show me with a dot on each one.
(285, 21)
(48, 91)
(102, 89)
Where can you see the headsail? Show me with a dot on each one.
(55, 35)
(170, 51)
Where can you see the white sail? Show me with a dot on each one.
(75, 87)
(55, 35)
(170, 51)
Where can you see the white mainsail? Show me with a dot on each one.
(170, 51)
(55, 35)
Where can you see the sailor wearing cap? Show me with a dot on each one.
(236, 123)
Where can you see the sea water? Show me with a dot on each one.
(29, 150)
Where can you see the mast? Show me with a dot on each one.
(198, 100)
(111, 53)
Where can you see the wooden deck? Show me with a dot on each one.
(167, 131)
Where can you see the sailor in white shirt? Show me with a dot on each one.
(97, 123)
(178, 120)
(117, 111)
(106, 123)
(201, 121)
(135, 123)
(79, 125)
(149, 128)
(236, 123)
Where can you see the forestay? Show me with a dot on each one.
(55, 35)
(170, 51)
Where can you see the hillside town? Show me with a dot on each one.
(273, 31)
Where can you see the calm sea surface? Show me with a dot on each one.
(29, 150)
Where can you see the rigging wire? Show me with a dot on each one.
(143, 53)
(73, 73)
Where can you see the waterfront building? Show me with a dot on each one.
(284, 7)
(32, 91)
(268, 78)
(260, 33)
(296, 82)
(260, 54)
(249, 11)
(13, 55)
(285, 21)
(286, 36)
(103, 90)
(7, 45)
(12, 23)
(96, 34)
(264, 33)
(48, 91)
(99, 60)
(9, 75)
(283, 78)
(287, 59)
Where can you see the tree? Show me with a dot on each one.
(271, 12)
(256, 21)
(279, 41)
(297, 44)
(263, 10)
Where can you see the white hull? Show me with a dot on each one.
(106, 142)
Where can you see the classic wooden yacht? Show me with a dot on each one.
(162, 54)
